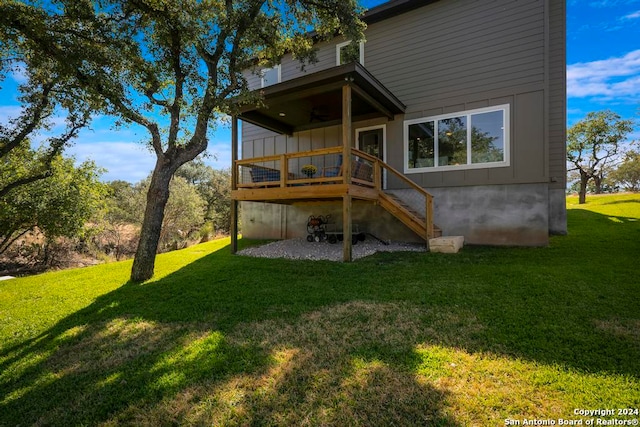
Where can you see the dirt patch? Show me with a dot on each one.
(629, 329)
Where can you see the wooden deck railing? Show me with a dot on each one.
(286, 170)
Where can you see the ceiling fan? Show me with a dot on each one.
(319, 113)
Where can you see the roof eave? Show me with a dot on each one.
(364, 84)
(393, 8)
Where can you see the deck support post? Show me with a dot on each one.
(346, 170)
(347, 229)
(234, 184)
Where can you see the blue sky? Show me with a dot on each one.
(603, 58)
(603, 72)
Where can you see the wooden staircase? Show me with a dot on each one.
(408, 215)
(414, 208)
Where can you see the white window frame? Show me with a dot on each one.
(265, 70)
(347, 43)
(506, 117)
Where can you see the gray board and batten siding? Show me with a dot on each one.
(457, 55)
(557, 95)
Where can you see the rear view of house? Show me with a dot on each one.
(449, 118)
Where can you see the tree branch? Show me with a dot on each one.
(57, 145)
(32, 122)
(149, 94)
(175, 109)
(24, 181)
(8, 240)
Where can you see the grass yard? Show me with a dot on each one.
(484, 337)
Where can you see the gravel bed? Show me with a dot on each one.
(301, 249)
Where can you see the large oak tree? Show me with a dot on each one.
(173, 66)
(593, 142)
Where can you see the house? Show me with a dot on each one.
(449, 118)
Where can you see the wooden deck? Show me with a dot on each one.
(305, 192)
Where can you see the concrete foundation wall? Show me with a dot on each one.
(557, 211)
(519, 215)
(494, 215)
(265, 220)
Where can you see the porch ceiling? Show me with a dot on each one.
(315, 100)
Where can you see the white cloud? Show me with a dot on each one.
(634, 15)
(19, 74)
(634, 137)
(575, 111)
(123, 160)
(8, 112)
(220, 155)
(612, 79)
(133, 162)
(605, 3)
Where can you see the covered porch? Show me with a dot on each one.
(338, 96)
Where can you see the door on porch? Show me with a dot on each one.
(371, 140)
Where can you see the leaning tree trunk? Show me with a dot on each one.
(157, 197)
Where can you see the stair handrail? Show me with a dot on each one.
(392, 169)
(413, 185)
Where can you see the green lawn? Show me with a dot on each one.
(476, 338)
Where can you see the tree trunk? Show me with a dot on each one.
(582, 194)
(157, 197)
(597, 180)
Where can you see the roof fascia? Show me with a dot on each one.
(393, 8)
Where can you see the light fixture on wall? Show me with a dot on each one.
(282, 114)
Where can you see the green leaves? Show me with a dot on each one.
(628, 173)
(59, 205)
(593, 143)
(596, 137)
